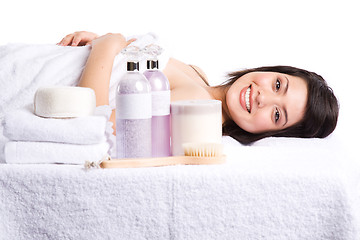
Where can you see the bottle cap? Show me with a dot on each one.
(152, 52)
(152, 64)
(133, 55)
(132, 66)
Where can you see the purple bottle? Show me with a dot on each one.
(133, 110)
(160, 90)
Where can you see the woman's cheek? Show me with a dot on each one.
(262, 123)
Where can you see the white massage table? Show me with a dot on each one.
(276, 189)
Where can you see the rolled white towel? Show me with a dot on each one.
(23, 125)
(47, 152)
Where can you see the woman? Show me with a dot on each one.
(257, 103)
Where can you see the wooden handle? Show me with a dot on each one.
(163, 161)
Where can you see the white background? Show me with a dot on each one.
(218, 36)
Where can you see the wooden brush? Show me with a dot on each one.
(195, 154)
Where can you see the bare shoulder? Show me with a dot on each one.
(201, 74)
(190, 92)
(181, 74)
(185, 83)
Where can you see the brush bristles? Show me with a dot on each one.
(203, 149)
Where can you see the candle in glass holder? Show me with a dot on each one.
(195, 121)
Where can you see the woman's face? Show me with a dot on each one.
(266, 101)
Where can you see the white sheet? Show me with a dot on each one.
(262, 192)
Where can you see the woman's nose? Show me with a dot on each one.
(264, 98)
(260, 99)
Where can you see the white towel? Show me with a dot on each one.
(47, 152)
(23, 125)
(26, 67)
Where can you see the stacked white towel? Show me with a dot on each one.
(27, 67)
(35, 139)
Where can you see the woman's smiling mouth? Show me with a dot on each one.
(245, 99)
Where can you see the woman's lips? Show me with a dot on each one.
(242, 98)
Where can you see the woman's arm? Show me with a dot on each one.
(98, 68)
(97, 72)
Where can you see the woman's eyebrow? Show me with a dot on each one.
(285, 91)
(287, 85)
(286, 117)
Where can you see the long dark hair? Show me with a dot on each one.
(321, 113)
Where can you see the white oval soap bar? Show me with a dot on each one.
(64, 102)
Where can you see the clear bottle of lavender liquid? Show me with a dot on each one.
(160, 87)
(133, 110)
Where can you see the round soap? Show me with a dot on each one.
(64, 102)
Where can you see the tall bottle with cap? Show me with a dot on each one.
(133, 110)
(160, 88)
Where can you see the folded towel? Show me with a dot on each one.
(27, 67)
(47, 152)
(23, 125)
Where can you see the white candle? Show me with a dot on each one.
(195, 121)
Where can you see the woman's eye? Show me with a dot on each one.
(277, 85)
(277, 115)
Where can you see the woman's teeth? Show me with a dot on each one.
(247, 98)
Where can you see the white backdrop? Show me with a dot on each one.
(221, 36)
